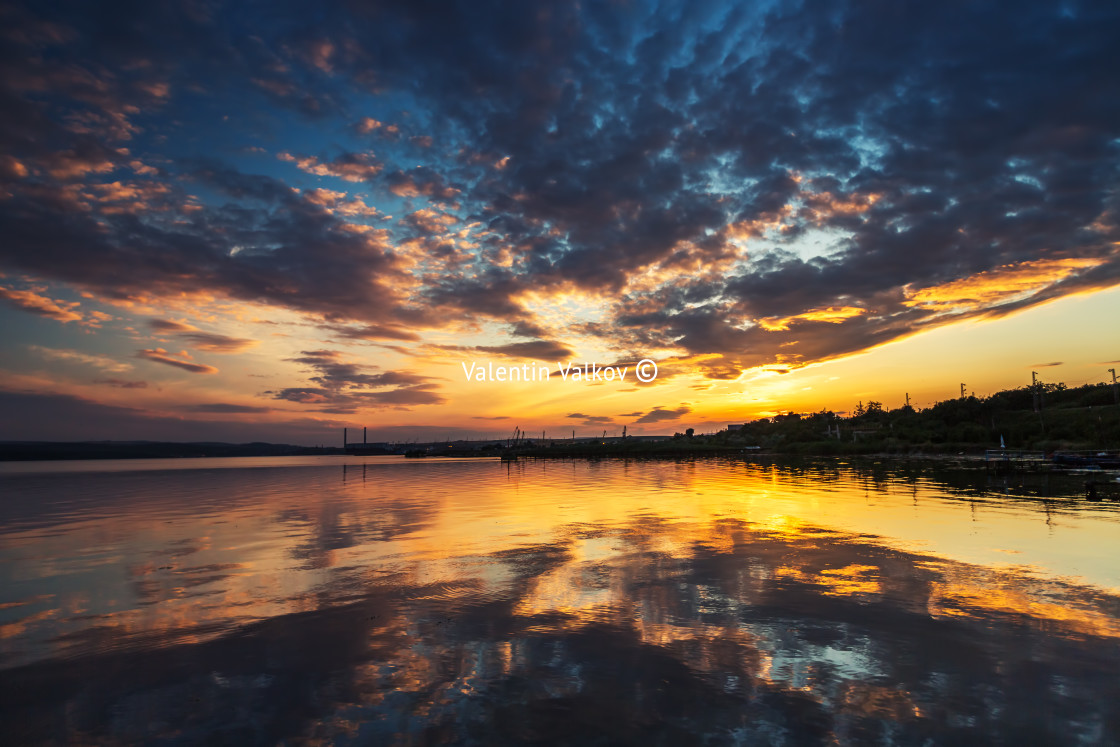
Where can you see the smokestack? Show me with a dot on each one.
(344, 438)
(363, 435)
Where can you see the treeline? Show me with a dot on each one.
(1048, 417)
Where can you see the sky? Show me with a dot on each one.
(272, 221)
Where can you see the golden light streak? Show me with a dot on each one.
(1004, 284)
(831, 314)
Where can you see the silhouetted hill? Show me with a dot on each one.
(1084, 417)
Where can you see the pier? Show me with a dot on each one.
(1014, 460)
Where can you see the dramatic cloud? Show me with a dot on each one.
(792, 183)
(343, 387)
(732, 185)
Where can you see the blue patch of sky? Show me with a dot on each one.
(233, 127)
(23, 328)
(811, 244)
(722, 177)
(24, 332)
(871, 151)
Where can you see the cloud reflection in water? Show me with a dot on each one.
(581, 602)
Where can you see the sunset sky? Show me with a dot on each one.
(270, 221)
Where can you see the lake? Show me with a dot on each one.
(382, 600)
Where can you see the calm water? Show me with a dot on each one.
(388, 601)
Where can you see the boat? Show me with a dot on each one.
(1087, 459)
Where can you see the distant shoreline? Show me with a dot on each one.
(611, 449)
(49, 451)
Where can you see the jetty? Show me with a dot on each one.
(1014, 460)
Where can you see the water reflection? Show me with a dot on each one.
(576, 602)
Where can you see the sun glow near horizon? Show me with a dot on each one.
(395, 206)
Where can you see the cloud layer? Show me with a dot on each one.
(716, 182)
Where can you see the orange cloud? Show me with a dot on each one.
(820, 206)
(1004, 284)
(216, 343)
(832, 315)
(431, 221)
(367, 125)
(336, 203)
(353, 167)
(169, 325)
(320, 55)
(12, 168)
(30, 300)
(134, 197)
(96, 319)
(69, 165)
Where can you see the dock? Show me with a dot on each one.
(1014, 460)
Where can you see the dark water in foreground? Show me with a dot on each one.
(466, 602)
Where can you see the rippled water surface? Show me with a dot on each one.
(391, 601)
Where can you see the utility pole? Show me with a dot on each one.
(1115, 392)
(962, 390)
(908, 399)
(1038, 401)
